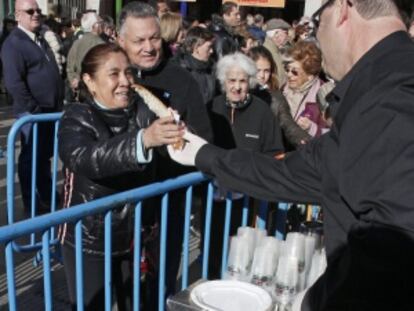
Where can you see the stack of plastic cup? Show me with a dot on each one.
(265, 263)
(260, 235)
(317, 267)
(310, 245)
(250, 237)
(287, 277)
(239, 261)
(295, 248)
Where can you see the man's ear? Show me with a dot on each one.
(343, 12)
(17, 16)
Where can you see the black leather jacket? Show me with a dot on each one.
(98, 150)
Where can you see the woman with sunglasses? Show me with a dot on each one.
(267, 89)
(302, 86)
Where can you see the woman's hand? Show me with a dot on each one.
(163, 131)
(187, 154)
(305, 123)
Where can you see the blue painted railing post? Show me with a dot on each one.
(281, 220)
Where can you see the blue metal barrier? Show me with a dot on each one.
(45, 225)
(76, 213)
(11, 154)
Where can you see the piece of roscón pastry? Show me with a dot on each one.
(157, 107)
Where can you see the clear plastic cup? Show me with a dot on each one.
(239, 260)
(287, 277)
(295, 248)
(264, 266)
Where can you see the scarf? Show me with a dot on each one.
(295, 97)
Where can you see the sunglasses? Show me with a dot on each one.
(294, 71)
(316, 17)
(32, 11)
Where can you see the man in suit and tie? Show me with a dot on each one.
(32, 78)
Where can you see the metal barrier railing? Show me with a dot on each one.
(45, 225)
(11, 154)
(75, 214)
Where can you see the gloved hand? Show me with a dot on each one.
(187, 155)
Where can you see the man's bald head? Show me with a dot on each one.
(27, 14)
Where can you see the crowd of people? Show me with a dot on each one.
(259, 90)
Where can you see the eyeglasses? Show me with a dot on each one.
(32, 11)
(316, 17)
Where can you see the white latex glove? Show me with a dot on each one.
(187, 155)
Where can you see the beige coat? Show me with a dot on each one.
(277, 57)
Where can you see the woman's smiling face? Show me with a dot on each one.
(110, 85)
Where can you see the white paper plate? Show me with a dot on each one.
(230, 296)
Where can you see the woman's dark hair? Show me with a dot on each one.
(93, 60)
(196, 36)
(227, 7)
(300, 30)
(76, 22)
(260, 51)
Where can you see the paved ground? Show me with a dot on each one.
(29, 279)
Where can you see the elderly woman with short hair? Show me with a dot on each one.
(302, 86)
(239, 119)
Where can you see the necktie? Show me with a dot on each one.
(41, 42)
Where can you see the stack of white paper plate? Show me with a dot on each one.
(231, 296)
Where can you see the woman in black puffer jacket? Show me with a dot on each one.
(105, 145)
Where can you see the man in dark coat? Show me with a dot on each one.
(32, 78)
(362, 171)
(140, 36)
(223, 27)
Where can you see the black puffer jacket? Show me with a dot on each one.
(201, 71)
(99, 153)
(227, 41)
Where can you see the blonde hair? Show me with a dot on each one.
(171, 24)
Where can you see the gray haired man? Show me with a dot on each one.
(140, 36)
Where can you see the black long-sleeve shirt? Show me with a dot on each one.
(362, 172)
